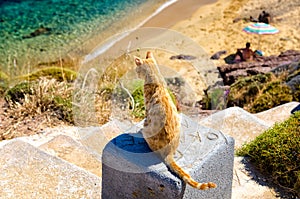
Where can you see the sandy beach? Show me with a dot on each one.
(169, 17)
(217, 26)
(213, 26)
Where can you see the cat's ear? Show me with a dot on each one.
(138, 61)
(149, 55)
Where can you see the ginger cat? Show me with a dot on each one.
(162, 124)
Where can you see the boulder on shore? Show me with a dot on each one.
(231, 72)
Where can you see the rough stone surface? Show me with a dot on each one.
(277, 114)
(74, 152)
(294, 82)
(217, 166)
(183, 57)
(231, 72)
(244, 126)
(218, 54)
(138, 173)
(236, 122)
(246, 185)
(95, 138)
(27, 172)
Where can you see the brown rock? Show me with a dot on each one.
(231, 72)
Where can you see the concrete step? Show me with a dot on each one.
(28, 172)
(236, 122)
(68, 149)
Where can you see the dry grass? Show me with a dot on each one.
(48, 105)
(93, 93)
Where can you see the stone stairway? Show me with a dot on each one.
(29, 172)
(65, 162)
(58, 169)
(61, 163)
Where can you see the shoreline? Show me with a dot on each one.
(71, 47)
(186, 7)
(162, 17)
(209, 23)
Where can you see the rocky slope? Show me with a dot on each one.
(261, 65)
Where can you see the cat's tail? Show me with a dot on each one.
(188, 179)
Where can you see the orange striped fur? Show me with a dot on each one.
(162, 125)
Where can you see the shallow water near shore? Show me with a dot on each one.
(35, 32)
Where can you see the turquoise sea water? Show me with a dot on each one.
(39, 31)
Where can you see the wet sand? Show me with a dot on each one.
(167, 18)
(178, 11)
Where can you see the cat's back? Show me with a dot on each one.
(162, 124)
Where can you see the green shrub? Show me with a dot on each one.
(255, 79)
(276, 153)
(17, 93)
(63, 107)
(214, 100)
(139, 105)
(260, 92)
(273, 95)
(44, 95)
(244, 91)
(58, 73)
(296, 94)
(3, 76)
(4, 80)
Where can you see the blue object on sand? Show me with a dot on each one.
(259, 52)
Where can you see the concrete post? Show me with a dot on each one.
(131, 170)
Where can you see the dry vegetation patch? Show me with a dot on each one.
(29, 107)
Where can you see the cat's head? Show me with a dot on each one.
(145, 66)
